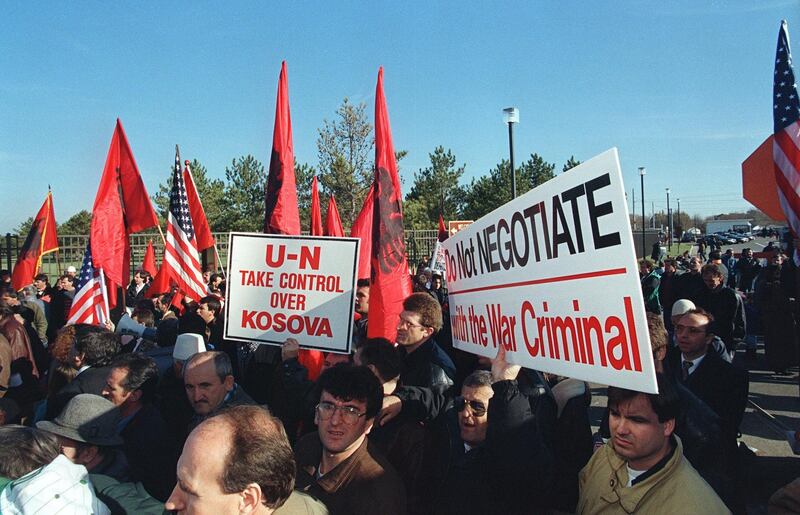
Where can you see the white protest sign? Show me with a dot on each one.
(298, 287)
(552, 276)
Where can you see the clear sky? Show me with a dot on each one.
(682, 88)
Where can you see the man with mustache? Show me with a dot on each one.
(208, 379)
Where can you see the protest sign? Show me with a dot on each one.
(298, 287)
(552, 276)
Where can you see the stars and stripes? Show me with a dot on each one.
(786, 146)
(180, 254)
(89, 304)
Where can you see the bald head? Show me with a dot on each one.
(239, 456)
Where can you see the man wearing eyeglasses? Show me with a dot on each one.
(337, 464)
(425, 364)
(716, 382)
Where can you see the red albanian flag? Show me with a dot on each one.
(333, 224)
(443, 234)
(389, 282)
(282, 215)
(149, 262)
(316, 210)
(42, 239)
(121, 207)
(362, 229)
(202, 231)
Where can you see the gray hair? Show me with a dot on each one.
(222, 363)
(478, 378)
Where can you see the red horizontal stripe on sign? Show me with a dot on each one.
(545, 280)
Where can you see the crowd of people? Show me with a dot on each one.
(158, 412)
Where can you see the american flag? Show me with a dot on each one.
(786, 146)
(180, 253)
(89, 304)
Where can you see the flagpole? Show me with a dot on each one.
(200, 201)
(219, 260)
(103, 289)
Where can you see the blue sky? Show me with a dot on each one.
(683, 88)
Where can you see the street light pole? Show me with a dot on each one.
(669, 226)
(641, 175)
(511, 116)
(679, 219)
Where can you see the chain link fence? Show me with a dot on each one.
(419, 246)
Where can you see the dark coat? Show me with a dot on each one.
(91, 380)
(777, 315)
(152, 451)
(728, 310)
(510, 473)
(723, 387)
(404, 443)
(428, 366)
(689, 286)
(174, 406)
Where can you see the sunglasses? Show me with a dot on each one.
(478, 408)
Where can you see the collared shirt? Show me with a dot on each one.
(695, 363)
(80, 370)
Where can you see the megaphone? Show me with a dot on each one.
(127, 325)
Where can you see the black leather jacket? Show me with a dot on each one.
(428, 366)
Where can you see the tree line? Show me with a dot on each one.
(345, 152)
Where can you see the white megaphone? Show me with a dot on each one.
(127, 325)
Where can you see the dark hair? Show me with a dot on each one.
(427, 307)
(167, 332)
(349, 382)
(142, 374)
(657, 330)
(259, 453)
(98, 348)
(147, 304)
(711, 269)
(666, 403)
(144, 317)
(647, 264)
(144, 274)
(381, 354)
(710, 327)
(40, 277)
(166, 299)
(671, 262)
(362, 283)
(25, 449)
(61, 374)
(213, 277)
(212, 302)
(714, 254)
(10, 410)
(8, 290)
(222, 363)
(5, 310)
(478, 378)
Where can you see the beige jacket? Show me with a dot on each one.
(676, 488)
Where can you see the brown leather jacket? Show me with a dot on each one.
(18, 338)
(363, 484)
